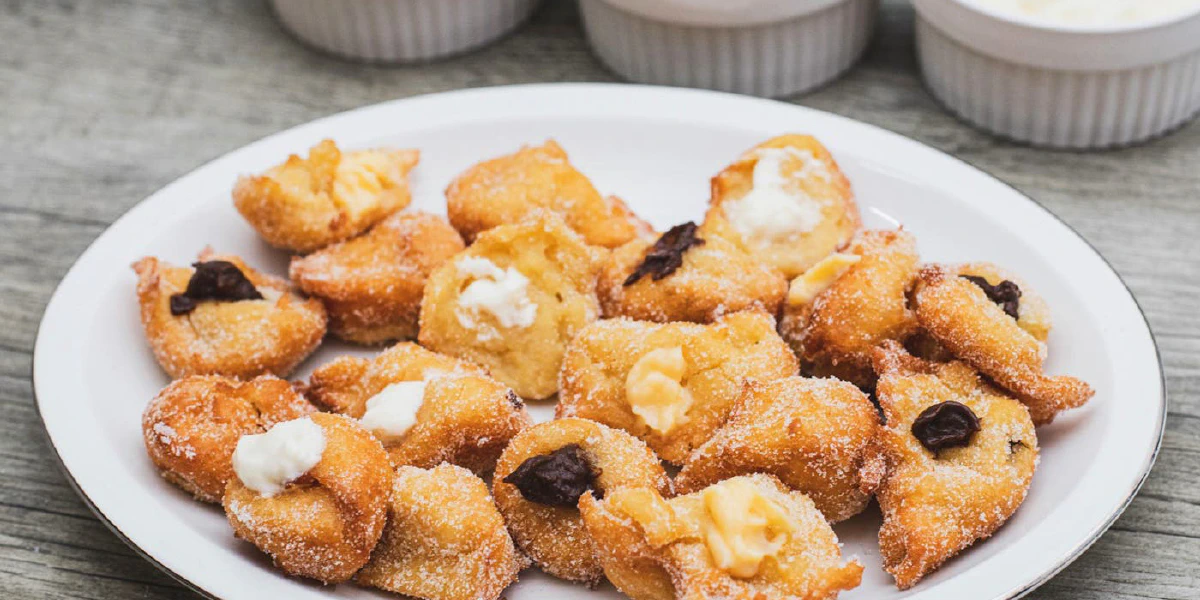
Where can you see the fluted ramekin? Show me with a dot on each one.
(1060, 86)
(760, 47)
(400, 30)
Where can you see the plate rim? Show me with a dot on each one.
(1021, 590)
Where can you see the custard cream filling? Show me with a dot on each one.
(655, 392)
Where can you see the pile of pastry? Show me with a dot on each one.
(725, 391)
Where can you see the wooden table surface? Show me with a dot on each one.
(104, 101)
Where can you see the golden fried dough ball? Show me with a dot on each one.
(221, 317)
(308, 203)
(745, 538)
(956, 458)
(425, 416)
(1032, 312)
(671, 384)
(544, 472)
(786, 202)
(372, 284)
(961, 316)
(685, 278)
(444, 539)
(513, 300)
(813, 434)
(847, 304)
(512, 188)
(192, 426)
(325, 522)
(345, 384)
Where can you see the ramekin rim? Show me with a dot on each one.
(1033, 23)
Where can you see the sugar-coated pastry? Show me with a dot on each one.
(444, 539)
(193, 425)
(813, 434)
(545, 471)
(371, 285)
(956, 457)
(345, 384)
(220, 317)
(745, 538)
(786, 202)
(308, 203)
(425, 408)
(1031, 310)
(850, 302)
(671, 384)
(686, 277)
(312, 493)
(514, 187)
(513, 300)
(966, 319)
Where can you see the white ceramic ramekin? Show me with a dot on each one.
(760, 47)
(1060, 86)
(400, 30)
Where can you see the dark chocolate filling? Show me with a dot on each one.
(556, 479)
(945, 425)
(214, 280)
(1006, 294)
(667, 253)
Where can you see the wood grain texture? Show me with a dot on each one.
(104, 101)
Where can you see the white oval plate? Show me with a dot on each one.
(657, 148)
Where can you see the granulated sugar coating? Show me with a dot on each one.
(344, 385)
(372, 284)
(465, 417)
(444, 539)
(959, 315)
(813, 434)
(331, 196)
(561, 271)
(714, 279)
(719, 357)
(806, 181)
(511, 188)
(552, 536)
(326, 523)
(936, 505)
(652, 547)
(834, 335)
(193, 425)
(241, 339)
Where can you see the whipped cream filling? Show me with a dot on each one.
(267, 462)
(393, 411)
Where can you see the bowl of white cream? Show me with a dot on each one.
(1077, 74)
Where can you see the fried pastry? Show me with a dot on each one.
(955, 460)
(544, 472)
(786, 202)
(744, 538)
(444, 539)
(220, 317)
(425, 408)
(682, 277)
(193, 425)
(671, 384)
(308, 203)
(813, 434)
(534, 179)
(512, 301)
(850, 302)
(371, 285)
(312, 494)
(966, 319)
